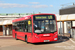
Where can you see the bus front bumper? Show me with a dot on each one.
(44, 39)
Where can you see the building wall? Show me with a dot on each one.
(73, 23)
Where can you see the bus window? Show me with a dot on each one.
(22, 26)
(14, 25)
(26, 26)
(19, 26)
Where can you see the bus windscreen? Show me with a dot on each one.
(44, 23)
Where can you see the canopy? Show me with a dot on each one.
(6, 22)
(70, 17)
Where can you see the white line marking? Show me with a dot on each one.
(72, 41)
(67, 43)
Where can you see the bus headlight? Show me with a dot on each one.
(55, 38)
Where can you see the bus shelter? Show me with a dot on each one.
(5, 27)
(66, 24)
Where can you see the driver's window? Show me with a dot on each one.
(47, 28)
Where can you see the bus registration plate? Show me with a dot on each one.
(46, 40)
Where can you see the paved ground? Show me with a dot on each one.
(12, 44)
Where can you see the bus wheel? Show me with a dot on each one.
(16, 36)
(25, 38)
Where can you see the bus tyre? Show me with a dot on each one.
(16, 36)
(26, 39)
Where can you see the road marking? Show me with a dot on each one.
(67, 43)
(66, 46)
(72, 41)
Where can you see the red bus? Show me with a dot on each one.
(36, 28)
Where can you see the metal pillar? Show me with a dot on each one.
(63, 27)
(3, 30)
(71, 30)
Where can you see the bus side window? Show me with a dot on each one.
(16, 28)
(25, 27)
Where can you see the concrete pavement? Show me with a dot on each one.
(6, 37)
(12, 44)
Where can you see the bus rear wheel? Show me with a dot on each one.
(16, 36)
(25, 38)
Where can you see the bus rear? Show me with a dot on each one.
(44, 28)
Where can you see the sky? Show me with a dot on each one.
(32, 6)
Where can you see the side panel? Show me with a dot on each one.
(21, 35)
(13, 33)
(29, 37)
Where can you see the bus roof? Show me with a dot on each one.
(29, 16)
(44, 14)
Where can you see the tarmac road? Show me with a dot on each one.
(12, 44)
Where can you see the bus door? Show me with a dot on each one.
(29, 31)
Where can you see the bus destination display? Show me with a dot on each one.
(44, 17)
